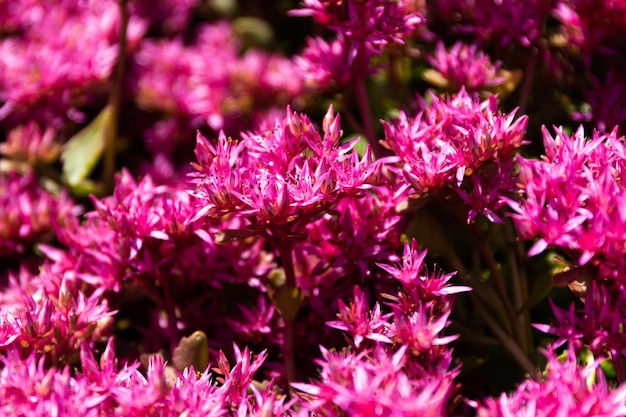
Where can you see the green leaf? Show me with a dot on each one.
(82, 152)
(253, 31)
(539, 291)
(361, 145)
(86, 188)
(608, 368)
(288, 301)
(192, 350)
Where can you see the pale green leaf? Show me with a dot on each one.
(83, 151)
(192, 350)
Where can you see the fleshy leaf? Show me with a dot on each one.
(82, 152)
(192, 350)
(287, 301)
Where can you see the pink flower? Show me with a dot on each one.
(510, 21)
(324, 64)
(360, 322)
(51, 324)
(258, 322)
(279, 192)
(65, 52)
(579, 23)
(29, 213)
(373, 384)
(412, 273)
(597, 325)
(32, 144)
(568, 389)
(462, 65)
(453, 143)
(573, 199)
(178, 80)
(364, 30)
(373, 23)
(237, 379)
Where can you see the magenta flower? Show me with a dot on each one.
(29, 213)
(373, 384)
(364, 30)
(597, 324)
(323, 64)
(568, 389)
(462, 65)
(65, 53)
(277, 190)
(572, 199)
(454, 143)
(32, 144)
(360, 322)
(510, 21)
(372, 23)
(176, 79)
(238, 378)
(106, 387)
(418, 331)
(139, 229)
(579, 24)
(258, 322)
(51, 324)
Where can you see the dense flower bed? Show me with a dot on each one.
(312, 208)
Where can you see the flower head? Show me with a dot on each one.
(462, 66)
(567, 389)
(572, 199)
(455, 140)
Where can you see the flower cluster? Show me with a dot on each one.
(462, 144)
(565, 203)
(567, 389)
(282, 178)
(364, 29)
(49, 316)
(104, 388)
(63, 58)
(344, 241)
(29, 213)
(462, 66)
(181, 81)
(404, 367)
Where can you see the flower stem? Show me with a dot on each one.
(531, 66)
(496, 278)
(286, 254)
(170, 311)
(520, 288)
(367, 116)
(511, 345)
(619, 363)
(115, 100)
(286, 257)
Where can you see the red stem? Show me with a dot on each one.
(367, 116)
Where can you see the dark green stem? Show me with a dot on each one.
(520, 288)
(285, 250)
(498, 282)
(115, 100)
(170, 310)
(367, 116)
